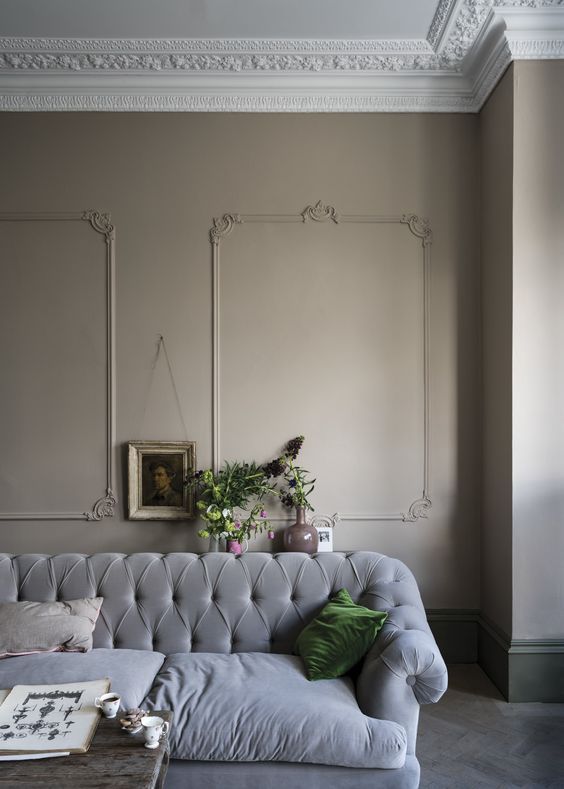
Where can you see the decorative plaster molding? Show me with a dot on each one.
(419, 227)
(286, 62)
(362, 46)
(103, 508)
(325, 521)
(236, 75)
(239, 101)
(470, 16)
(321, 212)
(513, 34)
(261, 55)
(223, 226)
(419, 509)
(439, 23)
(101, 223)
(492, 72)
(536, 50)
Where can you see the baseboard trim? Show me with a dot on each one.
(522, 669)
(456, 633)
(533, 647)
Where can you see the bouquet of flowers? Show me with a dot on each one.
(297, 486)
(223, 496)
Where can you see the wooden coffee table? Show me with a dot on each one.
(114, 759)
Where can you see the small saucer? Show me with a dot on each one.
(129, 730)
(152, 746)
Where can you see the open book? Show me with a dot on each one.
(50, 718)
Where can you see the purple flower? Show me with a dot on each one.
(293, 446)
(270, 534)
(292, 483)
(237, 524)
(275, 468)
(263, 513)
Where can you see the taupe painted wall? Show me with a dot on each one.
(522, 252)
(538, 374)
(163, 178)
(496, 134)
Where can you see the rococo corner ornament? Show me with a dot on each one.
(222, 226)
(418, 226)
(320, 213)
(419, 509)
(100, 222)
(103, 508)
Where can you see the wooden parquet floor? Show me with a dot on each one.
(473, 738)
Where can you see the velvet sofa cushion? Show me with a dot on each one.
(131, 670)
(261, 707)
(27, 627)
(339, 636)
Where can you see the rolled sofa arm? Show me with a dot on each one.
(403, 669)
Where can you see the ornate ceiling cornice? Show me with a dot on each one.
(221, 60)
(239, 102)
(451, 71)
(214, 45)
(439, 23)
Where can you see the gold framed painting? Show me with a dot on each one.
(158, 476)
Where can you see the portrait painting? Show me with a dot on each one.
(158, 473)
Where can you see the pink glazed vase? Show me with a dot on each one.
(234, 546)
(301, 536)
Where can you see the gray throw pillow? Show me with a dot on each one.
(28, 627)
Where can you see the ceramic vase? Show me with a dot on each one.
(300, 536)
(214, 544)
(234, 546)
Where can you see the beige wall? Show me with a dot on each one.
(496, 134)
(538, 376)
(163, 178)
(522, 251)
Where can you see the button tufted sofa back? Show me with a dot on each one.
(182, 602)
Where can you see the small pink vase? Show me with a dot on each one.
(300, 536)
(235, 547)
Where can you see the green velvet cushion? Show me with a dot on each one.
(338, 638)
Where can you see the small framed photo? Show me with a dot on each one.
(325, 534)
(158, 473)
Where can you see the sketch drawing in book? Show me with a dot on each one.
(50, 717)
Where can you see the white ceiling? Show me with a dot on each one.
(217, 18)
(267, 55)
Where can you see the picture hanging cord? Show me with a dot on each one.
(161, 344)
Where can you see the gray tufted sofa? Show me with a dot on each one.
(211, 637)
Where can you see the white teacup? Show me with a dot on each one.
(153, 729)
(109, 704)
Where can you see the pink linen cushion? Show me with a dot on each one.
(27, 627)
